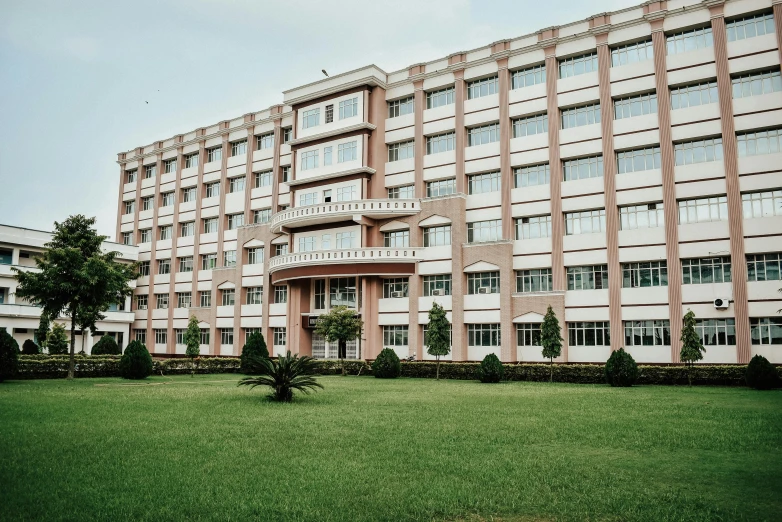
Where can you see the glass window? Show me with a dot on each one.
(633, 217)
(162, 301)
(483, 283)
(437, 236)
(756, 84)
(403, 192)
(329, 113)
(764, 267)
(229, 258)
(166, 232)
(161, 336)
(214, 154)
(593, 277)
(164, 266)
(632, 53)
(320, 294)
(254, 295)
(400, 151)
(141, 302)
(528, 334)
(529, 76)
(345, 240)
(342, 292)
(589, 334)
(310, 118)
(484, 231)
(638, 160)
(716, 332)
(143, 267)
(309, 160)
(127, 238)
(706, 270)
(694, 95)
(401, 107)
(208, 261)
(188, 194)
(130, 207)
(281, 250)
(750, 26)
(534, 280)
(530, 125)
(396, 239)
(287, 134)
(183, 299)
(759, 142)
(644, 274)
(700, 151)
(264, 141)
(348, 108)
(145, 235)
(327, 153)
(396, 287)
(689, 40)
(443, 187)
(647, 333)
(580, 116)
(205, 298)
(766, 330)
(482, 183)
(239, 147)
(236, 184)
(285, 173)
(533, 227)
(439, 98)
(481, 88)
(262, 179)
(147, 203)
(346, 151)
(440, 143)
(583, 168)
(235, 221)
(482, 135)
(586, 222)
(576, 65)
(703, 210)
(437, 285)
(263, 215)
(310, 198)
(227, 336)
(483, 335)
(186, 264)
(213, 189)
(150, 171)
(638, 105)
(531, 175)
(395, 335)
(279, 336)
(191, 160)
(169, 166)
(762, 204)
(255, 256)
(130, 176)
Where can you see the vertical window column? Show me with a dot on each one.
(199, 225)
(555, 165)
(420, 142)
(153, 246)
(460, 132)
(180, 162)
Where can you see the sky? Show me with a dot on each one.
(81, 81)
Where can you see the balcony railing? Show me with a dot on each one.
(325, 212)
(350, 256)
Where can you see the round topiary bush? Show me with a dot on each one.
(255, 348)
(761, 374)
(491, 369)
(9, 355)
(30, 348)
(621, 369)
(136, 363)
(387, 365)
(106, 345)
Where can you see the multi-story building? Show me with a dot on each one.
(18, 248)
(621, 169)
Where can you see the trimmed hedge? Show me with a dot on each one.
(490, 370)
(106, 345)
(135, 363)
(761, 374)
(620, 369)
(387, 365)
(30, 348)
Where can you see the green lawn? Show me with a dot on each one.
(404, 449)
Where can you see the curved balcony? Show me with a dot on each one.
(343, 210)
(348, 262)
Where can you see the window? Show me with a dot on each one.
(483, 283)
(648, 333)
(342, 292)
(208, 261)
(766, 330)
(320, 294)
(161, 336)
(127, 238)
(307, 244)
(759, 142)
(397, 239)
(686, 41)
(404, 192)
(706, 270)
(280, 294)
(327, 153)
(214, 154)
(186, 264)
(534, 280)
(179, 334)
(757, 83)
(437, 236)
(762, 204)
(205, 336)
(395, 335)
(644, 274)
(329, 113)
(213, 189)
(235, 221)
(236, 184)
(693, 95)
(401, 107)
(310, 198)
(632, 53)
(633, 217)
(250, 331)
(191, 160)
(483, 87)
(348, 108)
(586, 222)
(141, 302)
(255, 295)
(578, 65)
(529, 76)
(188, 194)
(346, 152)
(580, 116)
(187, 229)
(528, 334)
(484, 231)
(310, 118)
(166, 232)
(481, 183)
(228, 296)
(483, 335)
(169, 166)
(147, 203)
(764, 267)
(183, 299)
(140, 335)
(285, 172)
(130, 176)
(287, 134)
(262, 179)
(750, 26)
(227, 336)
(440, 98)
(145, 235)
(205, 298)
(264, 141)
(593, 277)
(534, 227)
(161, 301)
(437, 285)
(638, 160)
(716, 332)
(143, 268)
(531, 175)
(400, 151)
(443, 187)
(691, 152)
(279, 336)
(440, 143)
(345, 240)
(210, 225)
(482, 135)
(255, 256)
(309, 160)
(150, 171)
(346, 193)
(583, 168)
(262, 216)
(530, 125)
(281, 250)
(229, 258)
(589, 334)
(632, 106)
(130, 207)
(396, 287)
(703, 210)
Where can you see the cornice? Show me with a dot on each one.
(339, 174)
(367, 80)
(333, 132)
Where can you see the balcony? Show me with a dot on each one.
(348, 262)
(296, 217)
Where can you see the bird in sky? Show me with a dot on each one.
(324, 72)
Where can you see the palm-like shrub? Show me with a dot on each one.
(491, 369)
(761, 374)
(283, 375)
(387, 365)
(621, 369)
(106, 345)
(9, 355)
(30, 348)
(254, 348)
(136, 363)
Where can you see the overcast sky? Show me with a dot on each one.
(76, 76)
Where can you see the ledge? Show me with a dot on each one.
(333, 132)
(353, 261)
(344, 210)
(338, 174)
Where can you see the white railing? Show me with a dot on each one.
(368, 207)
(351, 255)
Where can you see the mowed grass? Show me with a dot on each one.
(367, 449)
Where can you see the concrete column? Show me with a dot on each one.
(460, 131)
(555, 168)
(420, 144)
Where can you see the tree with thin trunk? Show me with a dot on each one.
(193, 342)
(438, 335)
(551, 339)
(340, 325)
(43, 331)
(692, 347)
(75, 278)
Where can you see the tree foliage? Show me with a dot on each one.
(75, 277)
(692, 347)
(621, 369)
(255, 347)
(340, 325)
(284, 375)
(43, 331)
(193, 341)
(57, 340)
(136, 363)
(9, 355)
(551, 339)
(30, 348)
(106, 345)
(761, 374)
(387, 365)
(438, 334)
(491, 369)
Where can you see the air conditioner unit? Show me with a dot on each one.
(483, 289)
(722, 303)
(397, 294)
(438, 291)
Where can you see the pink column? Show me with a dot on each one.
(459, 89)
(420, 145)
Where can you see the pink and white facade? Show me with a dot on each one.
(622, 169)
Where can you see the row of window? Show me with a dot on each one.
(279, 336)
(253, 296)
(347, 109)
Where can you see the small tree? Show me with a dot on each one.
(284, 375)
(387, 365)
(30, 348)
(551, 339)
(438, 335)
(136, 363)
(193, 342)
(57, 341)
(43, 331)
(9, 355)
(340, 325)
(621, 369)
(692, 347)
(491, 369)
(255, 348)
(106, 345)
(761, 374)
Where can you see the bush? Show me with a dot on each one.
(621, 369)
(284, 375)
(254, 348)
(491, 369)
(761, 374)
(387, 365)
(136, 363)
(9, 355)
(57, 340)
(106, 345)
(30, 348)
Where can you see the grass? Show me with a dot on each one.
(405, 449)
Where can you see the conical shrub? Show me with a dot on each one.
(387, 365)
(761, 374)
(491, 369)
(621, 370)
(136, 363)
